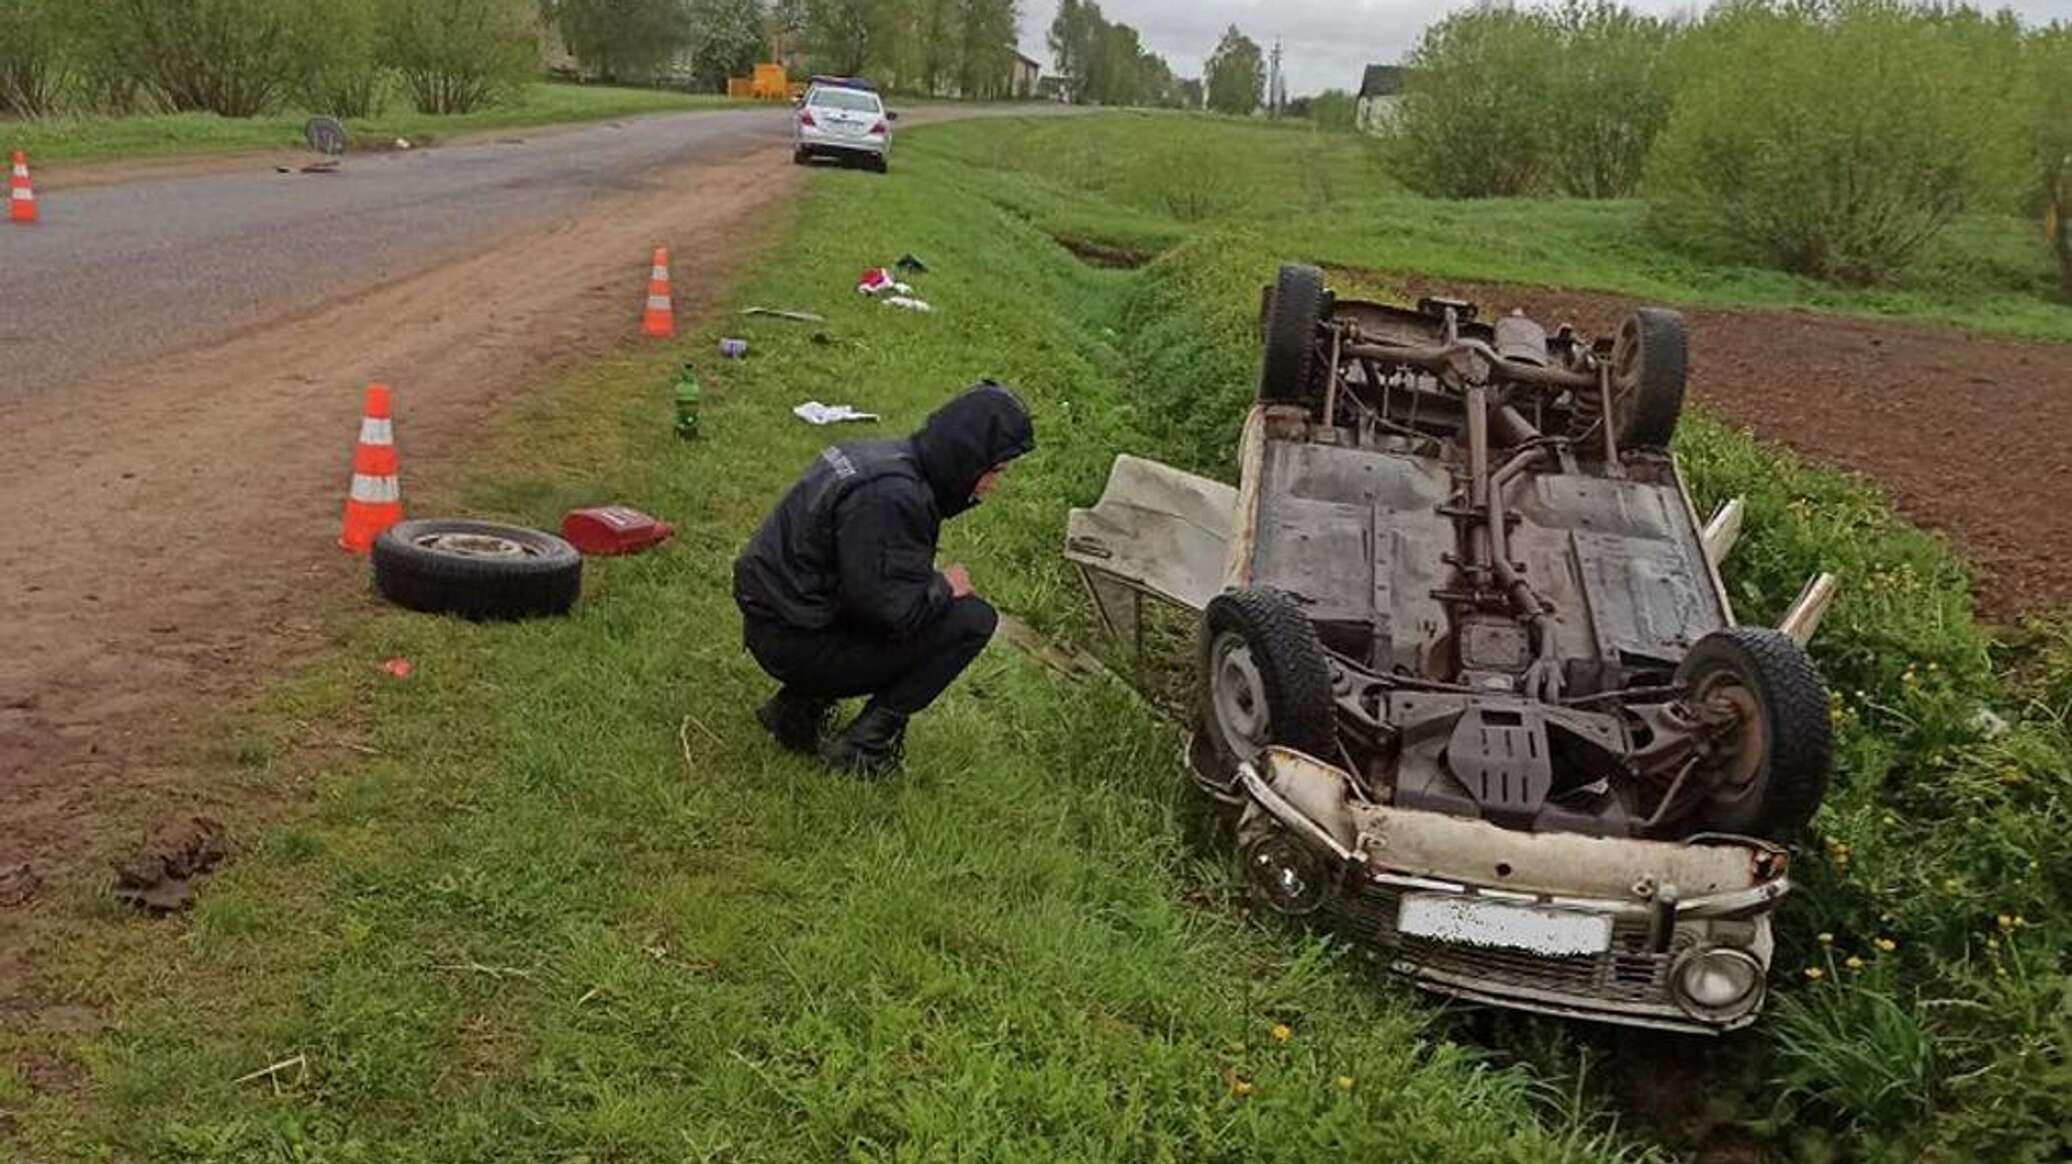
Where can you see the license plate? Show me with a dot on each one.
(1479, 921)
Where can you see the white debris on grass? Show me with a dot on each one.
(814, 412)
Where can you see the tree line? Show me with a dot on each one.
(239, 58)
(1834, 138)
(938, 47)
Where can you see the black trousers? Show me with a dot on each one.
(900, 674)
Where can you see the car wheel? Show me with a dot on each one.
(1288, 361)
(1648, 358)
(476, 569)
(1771, 768)
(1265, 679)
(879, 164)
(800, 157)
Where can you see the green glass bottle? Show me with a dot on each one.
(687, 396)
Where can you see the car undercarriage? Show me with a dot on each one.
(1461, 585)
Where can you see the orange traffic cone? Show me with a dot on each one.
(659, 320)
(376, 500)
(21, 200)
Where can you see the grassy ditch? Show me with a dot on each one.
(91, 138)
(1145, 181)
(574, 906)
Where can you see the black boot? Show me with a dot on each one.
(872, 746)
(795, 721)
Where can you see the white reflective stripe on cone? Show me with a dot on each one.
(661, 273)
(658, 303)
(22, 171)
(376, 490)
(22, 194)
(377, 430)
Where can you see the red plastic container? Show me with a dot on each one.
(614, 529)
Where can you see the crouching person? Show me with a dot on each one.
(839, 591)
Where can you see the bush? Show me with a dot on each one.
(338, 70)
(235, 58)
(1836, 138)
(33, 64)
(457, 56)
(1471, 118)
(1568, 100)
(2050, 93)
(1608, 99)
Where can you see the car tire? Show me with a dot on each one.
(880, 165)
(476, 569)
(1649, 356)
(1264, 679)
(1787, 744)
(1288, 358)
(800, 157)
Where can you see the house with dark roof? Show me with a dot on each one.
(1381, 91)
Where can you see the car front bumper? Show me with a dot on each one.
(1652, 907)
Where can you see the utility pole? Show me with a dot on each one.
(1276, 88)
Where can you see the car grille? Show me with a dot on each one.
(1627, 973)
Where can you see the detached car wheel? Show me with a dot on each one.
(1264, 680)
(1648, 364)
(1772, 766)
(1288, 362)
(476, 569)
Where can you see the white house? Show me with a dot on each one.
(1381, 91)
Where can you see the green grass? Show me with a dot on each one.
(85, 138)
(578, 908)
(1148, 180)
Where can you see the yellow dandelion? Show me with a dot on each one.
(1827, 939)
(1242, 1087)
(1886, 944)
(1952, 885)
(1992, 943)
(1344, 1082)
(2006, 922)
(1854, 962)
(1281, 1033)
(2020, 921)
(1815, 973)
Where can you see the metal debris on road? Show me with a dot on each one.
(733, 349)
(781, 313)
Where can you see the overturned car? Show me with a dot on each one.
(1468, 675)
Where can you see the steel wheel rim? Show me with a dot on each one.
(1237, 696)
(476, 545)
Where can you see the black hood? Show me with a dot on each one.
(981, 427)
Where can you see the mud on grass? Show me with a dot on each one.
(574, 903)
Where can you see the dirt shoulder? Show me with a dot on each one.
(1967, 433)
(169, 540)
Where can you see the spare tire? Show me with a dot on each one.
(476, 569)
(1775, 767)
(1295, 305)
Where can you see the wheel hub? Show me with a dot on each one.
(475, 545)
(1237, 696)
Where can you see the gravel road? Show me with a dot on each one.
(116, 274)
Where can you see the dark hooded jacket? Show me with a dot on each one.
(854, 541)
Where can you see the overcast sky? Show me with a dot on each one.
(1326, 43)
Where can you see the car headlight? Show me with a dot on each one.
(1717, 983)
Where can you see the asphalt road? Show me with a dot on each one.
(117, 274)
